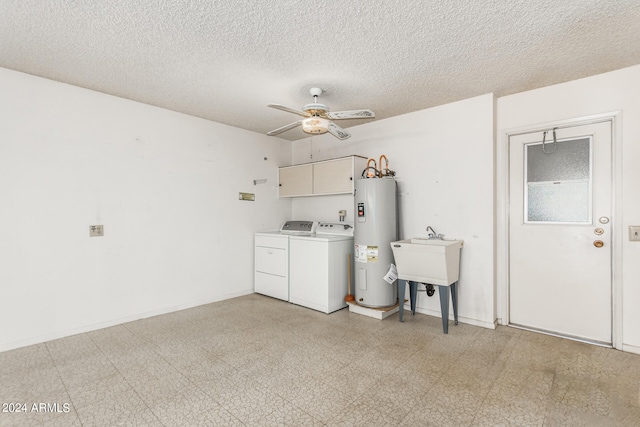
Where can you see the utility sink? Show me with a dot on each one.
(426, 260)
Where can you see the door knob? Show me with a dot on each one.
(598, 231)
(598, 243)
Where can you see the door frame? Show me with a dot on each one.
(503, 217)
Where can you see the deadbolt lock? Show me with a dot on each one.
(598, 243)
(598, 231)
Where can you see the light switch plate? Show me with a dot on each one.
(634, 233)
(96, 230)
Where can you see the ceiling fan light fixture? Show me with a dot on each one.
(317, 118)
(315, 125)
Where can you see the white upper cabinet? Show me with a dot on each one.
(335, 176)
(295, 180)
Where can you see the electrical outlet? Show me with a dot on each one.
(634, 233)
(96, 230)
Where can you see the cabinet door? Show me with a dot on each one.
(295, 180)
(333, 177)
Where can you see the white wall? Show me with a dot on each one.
(164, 185)
(443, 157)
(617, 90)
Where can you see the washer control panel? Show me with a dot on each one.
(335, 228)
(299, 227)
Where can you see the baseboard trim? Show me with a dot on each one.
(117, 321)
(631, 348)
(461, 319)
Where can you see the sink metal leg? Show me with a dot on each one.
(401, 289)
(443, 291)
(444, 307)
(413, 295)
(454, 300)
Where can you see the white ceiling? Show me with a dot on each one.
(226, 60)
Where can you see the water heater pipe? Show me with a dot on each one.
(386, 163)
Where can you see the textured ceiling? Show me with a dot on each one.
(226, 60)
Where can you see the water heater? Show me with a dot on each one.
(375, 228)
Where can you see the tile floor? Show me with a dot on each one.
(258, 361)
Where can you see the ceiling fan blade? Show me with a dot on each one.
(289, 110)
(285, 128)
(338, 132)
(352, 114)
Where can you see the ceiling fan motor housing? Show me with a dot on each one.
(316, 109)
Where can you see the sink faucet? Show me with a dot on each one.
(432, 234)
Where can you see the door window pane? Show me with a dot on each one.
(558, 185)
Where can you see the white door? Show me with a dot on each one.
(560, 232)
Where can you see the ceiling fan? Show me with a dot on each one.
(317, 118)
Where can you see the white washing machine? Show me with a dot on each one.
(271, 273)
(319, 267)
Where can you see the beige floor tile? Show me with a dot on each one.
(32, 386)
(85, 370)
(252, 404)
(363, 413)
(321, 401)
(290, 415)
(124, 409)
(352, 380)
(25, 359)
(190, 403)
(258, 361)
(100, 390)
